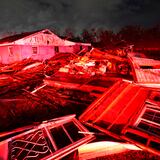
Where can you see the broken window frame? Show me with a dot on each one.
(46, 136)
(150, 123)
(142, 137)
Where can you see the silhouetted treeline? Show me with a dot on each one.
(104, 38)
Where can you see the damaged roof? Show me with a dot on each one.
(129, 112)
(17, 36)
(146, 71)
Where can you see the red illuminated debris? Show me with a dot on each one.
(59, 95)
(127, 112)
(146, 71)
(17, 66)
(69, 83)
(52, 139)
(97, 62)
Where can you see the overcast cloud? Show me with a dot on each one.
(27, 15)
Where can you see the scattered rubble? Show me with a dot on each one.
(98, 86)
(45, 140)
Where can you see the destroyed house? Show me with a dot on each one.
(53, 139)
(39, 45)
(127, 112)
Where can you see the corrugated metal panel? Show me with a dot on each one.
(148, 75)
(116, 114)
(145, 61)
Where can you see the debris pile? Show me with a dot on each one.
(97, 62)
(97, 86)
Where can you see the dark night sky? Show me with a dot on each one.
(27, 15)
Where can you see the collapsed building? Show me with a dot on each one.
(102, 88)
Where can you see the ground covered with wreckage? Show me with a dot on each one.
(131, 155)
(32, 91)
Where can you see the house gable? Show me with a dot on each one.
(44, 37)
